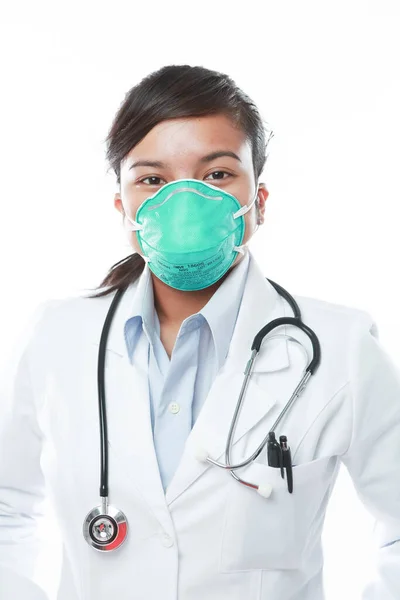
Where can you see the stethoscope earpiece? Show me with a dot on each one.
(265, 490)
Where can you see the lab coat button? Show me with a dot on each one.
(174, 408)
(166, 540)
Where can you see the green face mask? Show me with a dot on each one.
(190, 232)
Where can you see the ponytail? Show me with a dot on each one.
(121, 274)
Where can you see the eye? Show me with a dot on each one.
(219, 173)
(152, 182)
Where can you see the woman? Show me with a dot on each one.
(188, 148)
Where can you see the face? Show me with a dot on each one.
(177, 149)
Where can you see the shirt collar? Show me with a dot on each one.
(220, 312)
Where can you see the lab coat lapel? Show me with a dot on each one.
(260, 304)
(128, 410)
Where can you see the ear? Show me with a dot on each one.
(118, 203)
(263, 194)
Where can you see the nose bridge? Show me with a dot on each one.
(182, 175)
(183, 167)
(184, 172)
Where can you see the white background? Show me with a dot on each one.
(325, 75)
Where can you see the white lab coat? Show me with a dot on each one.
(208, 537)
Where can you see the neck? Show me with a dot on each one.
(174, 306)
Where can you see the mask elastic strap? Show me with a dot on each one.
(135, 225)
(245, 208)
(239, 213)
(241, 248)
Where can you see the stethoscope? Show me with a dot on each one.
(105, 527)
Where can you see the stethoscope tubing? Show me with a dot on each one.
(101, 395)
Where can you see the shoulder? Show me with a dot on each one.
(81, 306)
(74, 316)
(345, 333)
(331, 317)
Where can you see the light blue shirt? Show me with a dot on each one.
(178, 387)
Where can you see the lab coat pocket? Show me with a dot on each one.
(272, 533)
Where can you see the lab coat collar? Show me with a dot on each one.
(141, 312)
(261, 304)
(222, 309)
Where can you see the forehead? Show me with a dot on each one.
(192, 137)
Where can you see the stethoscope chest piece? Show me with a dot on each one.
(105, 532)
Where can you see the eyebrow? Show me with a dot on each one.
(208, 158)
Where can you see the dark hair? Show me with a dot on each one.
(171, 92)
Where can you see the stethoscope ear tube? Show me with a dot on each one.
(297, 323)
